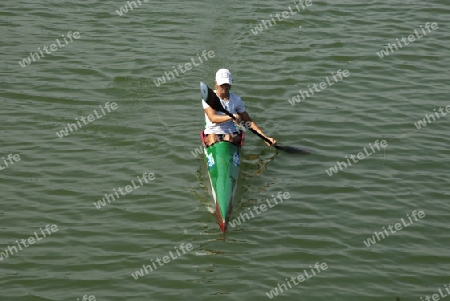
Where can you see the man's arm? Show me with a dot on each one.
(249, 123)
(215, 118)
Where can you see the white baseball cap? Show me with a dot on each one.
(223, 76)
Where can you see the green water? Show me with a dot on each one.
(154, 130)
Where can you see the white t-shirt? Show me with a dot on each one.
(233, 105)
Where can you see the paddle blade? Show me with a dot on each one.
(292, 149)
(204, 90)
(211, 98)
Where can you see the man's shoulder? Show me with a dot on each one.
(235, 96)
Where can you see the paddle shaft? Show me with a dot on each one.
(214, 102)
(251, 129)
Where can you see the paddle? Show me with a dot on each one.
(214, 102)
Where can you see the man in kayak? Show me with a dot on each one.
(220, 126)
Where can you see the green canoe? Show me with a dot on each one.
(223, 160)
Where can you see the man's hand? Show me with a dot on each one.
(238, 118)
(271, 140)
